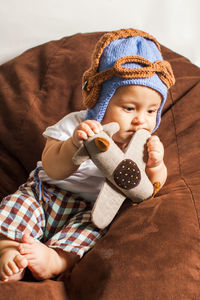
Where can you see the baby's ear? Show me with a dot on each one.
(80, 156)
(111, 128)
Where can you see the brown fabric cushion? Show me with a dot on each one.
(46, 290)
(36, 90)
(152, 250)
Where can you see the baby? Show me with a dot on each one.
(46, 224)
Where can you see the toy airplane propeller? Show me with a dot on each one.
(124, 173)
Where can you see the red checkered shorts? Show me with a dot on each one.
(58, 218)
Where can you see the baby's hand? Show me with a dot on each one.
(155, 152)
(84, 130)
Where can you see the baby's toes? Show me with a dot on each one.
(24, 248)
(7, 271)
(11, 268)
(20, 261)
(4, 277)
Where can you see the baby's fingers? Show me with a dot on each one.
(81, 135)
(155, 151)
(78, 137)
(94, 125)
(85, 128)
(154, 159)
(154, 144)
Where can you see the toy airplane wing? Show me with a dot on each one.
(107, 205)
(137, 144)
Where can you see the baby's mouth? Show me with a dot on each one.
(134, 130)
(131, 131)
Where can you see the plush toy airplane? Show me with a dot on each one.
(124, 172)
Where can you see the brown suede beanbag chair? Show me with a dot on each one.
(152, 250)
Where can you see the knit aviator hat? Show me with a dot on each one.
(124, 57)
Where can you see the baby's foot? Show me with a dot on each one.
(43, 262)
(12, 264)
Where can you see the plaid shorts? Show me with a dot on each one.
(57, 218)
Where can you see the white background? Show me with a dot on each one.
(28, 23)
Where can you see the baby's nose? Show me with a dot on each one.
(139, 119)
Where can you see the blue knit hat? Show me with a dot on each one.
(131, 58)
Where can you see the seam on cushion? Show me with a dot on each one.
(187, 77)
(179, 163)
(62, 42)
(41, 89)
(180, 59)
(47, 65)
(178, 99)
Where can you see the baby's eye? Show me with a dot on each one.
(151, 111)
(128, 108)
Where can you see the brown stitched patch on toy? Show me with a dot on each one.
(102, 143)
(127, 174)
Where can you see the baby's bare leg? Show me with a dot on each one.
(45, 262)
(12, 263)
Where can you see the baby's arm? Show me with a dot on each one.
(155, 168)
(57, 155)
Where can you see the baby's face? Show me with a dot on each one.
(133, 107)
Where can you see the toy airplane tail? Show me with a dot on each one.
(105, 209)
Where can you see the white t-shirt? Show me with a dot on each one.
(87, 180)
